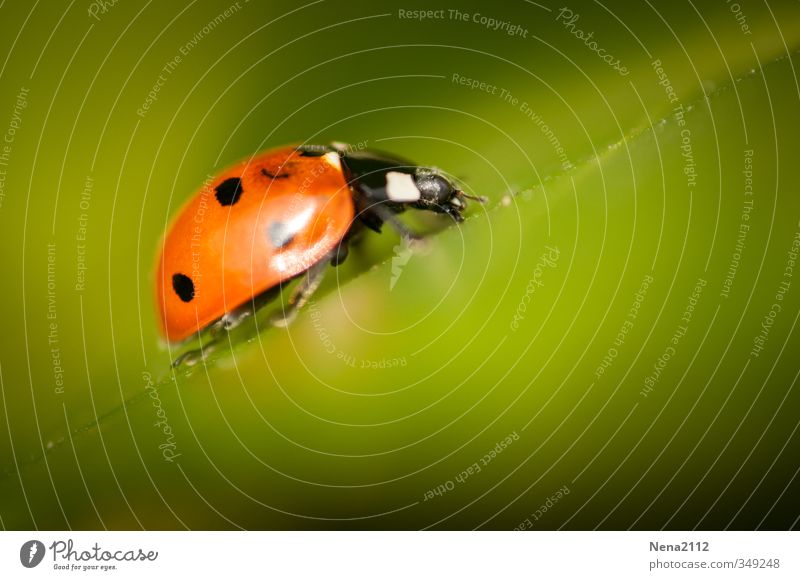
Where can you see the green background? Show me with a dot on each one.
(380, 394)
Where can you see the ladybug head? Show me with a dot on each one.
(438, 194)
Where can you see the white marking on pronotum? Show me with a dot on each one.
(333, 158)
(400, 187)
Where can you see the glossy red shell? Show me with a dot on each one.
(289, 211)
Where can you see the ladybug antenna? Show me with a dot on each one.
(478, 198)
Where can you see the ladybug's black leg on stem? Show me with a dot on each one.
(410, 238)
(341, 252)
(195, 355)
(308, 285)
(219, 329)
(235, 317)
(386, 215)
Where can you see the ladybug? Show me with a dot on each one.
(283, 214)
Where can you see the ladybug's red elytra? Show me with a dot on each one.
(278, 215)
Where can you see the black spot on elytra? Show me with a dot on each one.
(183, 286)
(229, 191)
(266, 173)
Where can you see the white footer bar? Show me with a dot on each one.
(389, 555)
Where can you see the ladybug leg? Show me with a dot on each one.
(218, 330)
(196, 355)
(386, 215)
(217, 333)
(235, 317)
(308, 285)
(339, 255)
(409, 237)
(229, 321)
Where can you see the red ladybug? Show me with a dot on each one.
(278, 215)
